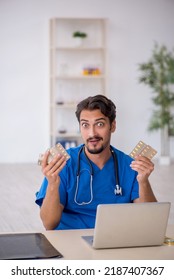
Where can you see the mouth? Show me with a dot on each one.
(95, 145)
(94, 141)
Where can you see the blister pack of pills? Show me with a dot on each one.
(57, 149)
(144, 150)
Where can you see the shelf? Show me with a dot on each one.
(64, 105)
(67, 135)
(76, 71)
(80, 77)
(86, 49)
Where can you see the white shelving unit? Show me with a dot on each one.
(76, 72)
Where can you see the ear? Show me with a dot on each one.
(113, 126)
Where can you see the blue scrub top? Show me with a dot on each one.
(77, 216)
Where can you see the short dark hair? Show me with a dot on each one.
(101, 102)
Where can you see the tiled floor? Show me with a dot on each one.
(19, 182)
(18, 185)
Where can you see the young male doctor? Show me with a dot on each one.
(96, 172)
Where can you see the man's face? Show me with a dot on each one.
(96, 130)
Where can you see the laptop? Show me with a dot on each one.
(130, 225)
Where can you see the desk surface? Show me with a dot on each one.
(72, 246)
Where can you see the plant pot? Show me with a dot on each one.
(78, 42)
(165, 147)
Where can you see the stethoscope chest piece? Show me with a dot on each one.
(118, 190)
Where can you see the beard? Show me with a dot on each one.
(94, 150)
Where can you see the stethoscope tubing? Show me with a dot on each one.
(118, 189)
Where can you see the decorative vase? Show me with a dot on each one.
(78, 41)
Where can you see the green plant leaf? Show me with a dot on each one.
(158, 74)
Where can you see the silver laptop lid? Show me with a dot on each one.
(130, 225)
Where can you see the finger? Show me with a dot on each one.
(45, 159)
(56, 163)
(139, 165)
(146, 162)
(142, 168)
(58, 169)
(143, 161)
(45, 166)
(55, 166)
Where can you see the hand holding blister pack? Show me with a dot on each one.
(57, 149)
(142, 149)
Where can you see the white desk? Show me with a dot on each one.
(73, 247)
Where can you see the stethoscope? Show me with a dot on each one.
(117, 190)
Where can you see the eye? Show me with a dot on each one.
(100, 124)
(84, 125)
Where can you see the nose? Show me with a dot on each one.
(92, 131)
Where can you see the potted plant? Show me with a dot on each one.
(79, 37)
(158, 74)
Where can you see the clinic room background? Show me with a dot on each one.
(133, 26)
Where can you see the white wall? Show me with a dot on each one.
(134, 26)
